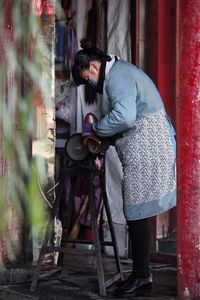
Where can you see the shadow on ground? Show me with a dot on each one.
(78, 281)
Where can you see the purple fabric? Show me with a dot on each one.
(70, 46)
(85, 219)
(88, 129)
(81, 193)
(60, 33)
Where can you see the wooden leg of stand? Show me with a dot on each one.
(36, 274)
(67, 218)
(111, 227)
(97, 245)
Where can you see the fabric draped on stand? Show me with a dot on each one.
(80, 195)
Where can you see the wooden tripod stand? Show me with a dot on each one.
(73, 172)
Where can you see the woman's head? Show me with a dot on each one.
(87, 63)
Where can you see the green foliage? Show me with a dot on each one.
(34, 200)
(20, 82)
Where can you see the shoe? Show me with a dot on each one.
(121, 283)
(137, 287)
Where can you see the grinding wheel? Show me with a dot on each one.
(75, 149)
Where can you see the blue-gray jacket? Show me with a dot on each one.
(132, 106)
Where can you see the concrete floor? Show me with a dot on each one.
(78, 280)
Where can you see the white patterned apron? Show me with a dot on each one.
(148, 158)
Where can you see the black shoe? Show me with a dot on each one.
(123, 282)
(137, 287)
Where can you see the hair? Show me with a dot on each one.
(83, 58)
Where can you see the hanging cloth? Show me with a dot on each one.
(91, 31)
(91, 36)
(71, 44)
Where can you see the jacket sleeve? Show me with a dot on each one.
(122, 92)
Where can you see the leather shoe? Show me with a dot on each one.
(121, 283)
(135, 287)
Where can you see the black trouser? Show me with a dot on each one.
(139, 233)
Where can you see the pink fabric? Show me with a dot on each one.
(42, 7)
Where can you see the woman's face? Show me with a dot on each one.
(92, 73)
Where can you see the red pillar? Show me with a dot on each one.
(188, 152)
(161, 52)
(167, 54)
(160, 65)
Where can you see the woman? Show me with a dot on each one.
(133, 112)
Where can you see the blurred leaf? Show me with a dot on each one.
(20, 80)
(35, 201)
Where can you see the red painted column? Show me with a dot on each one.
(188, 152)
(161, 66)
(161, 49)
(166, 81)
(167, 54)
